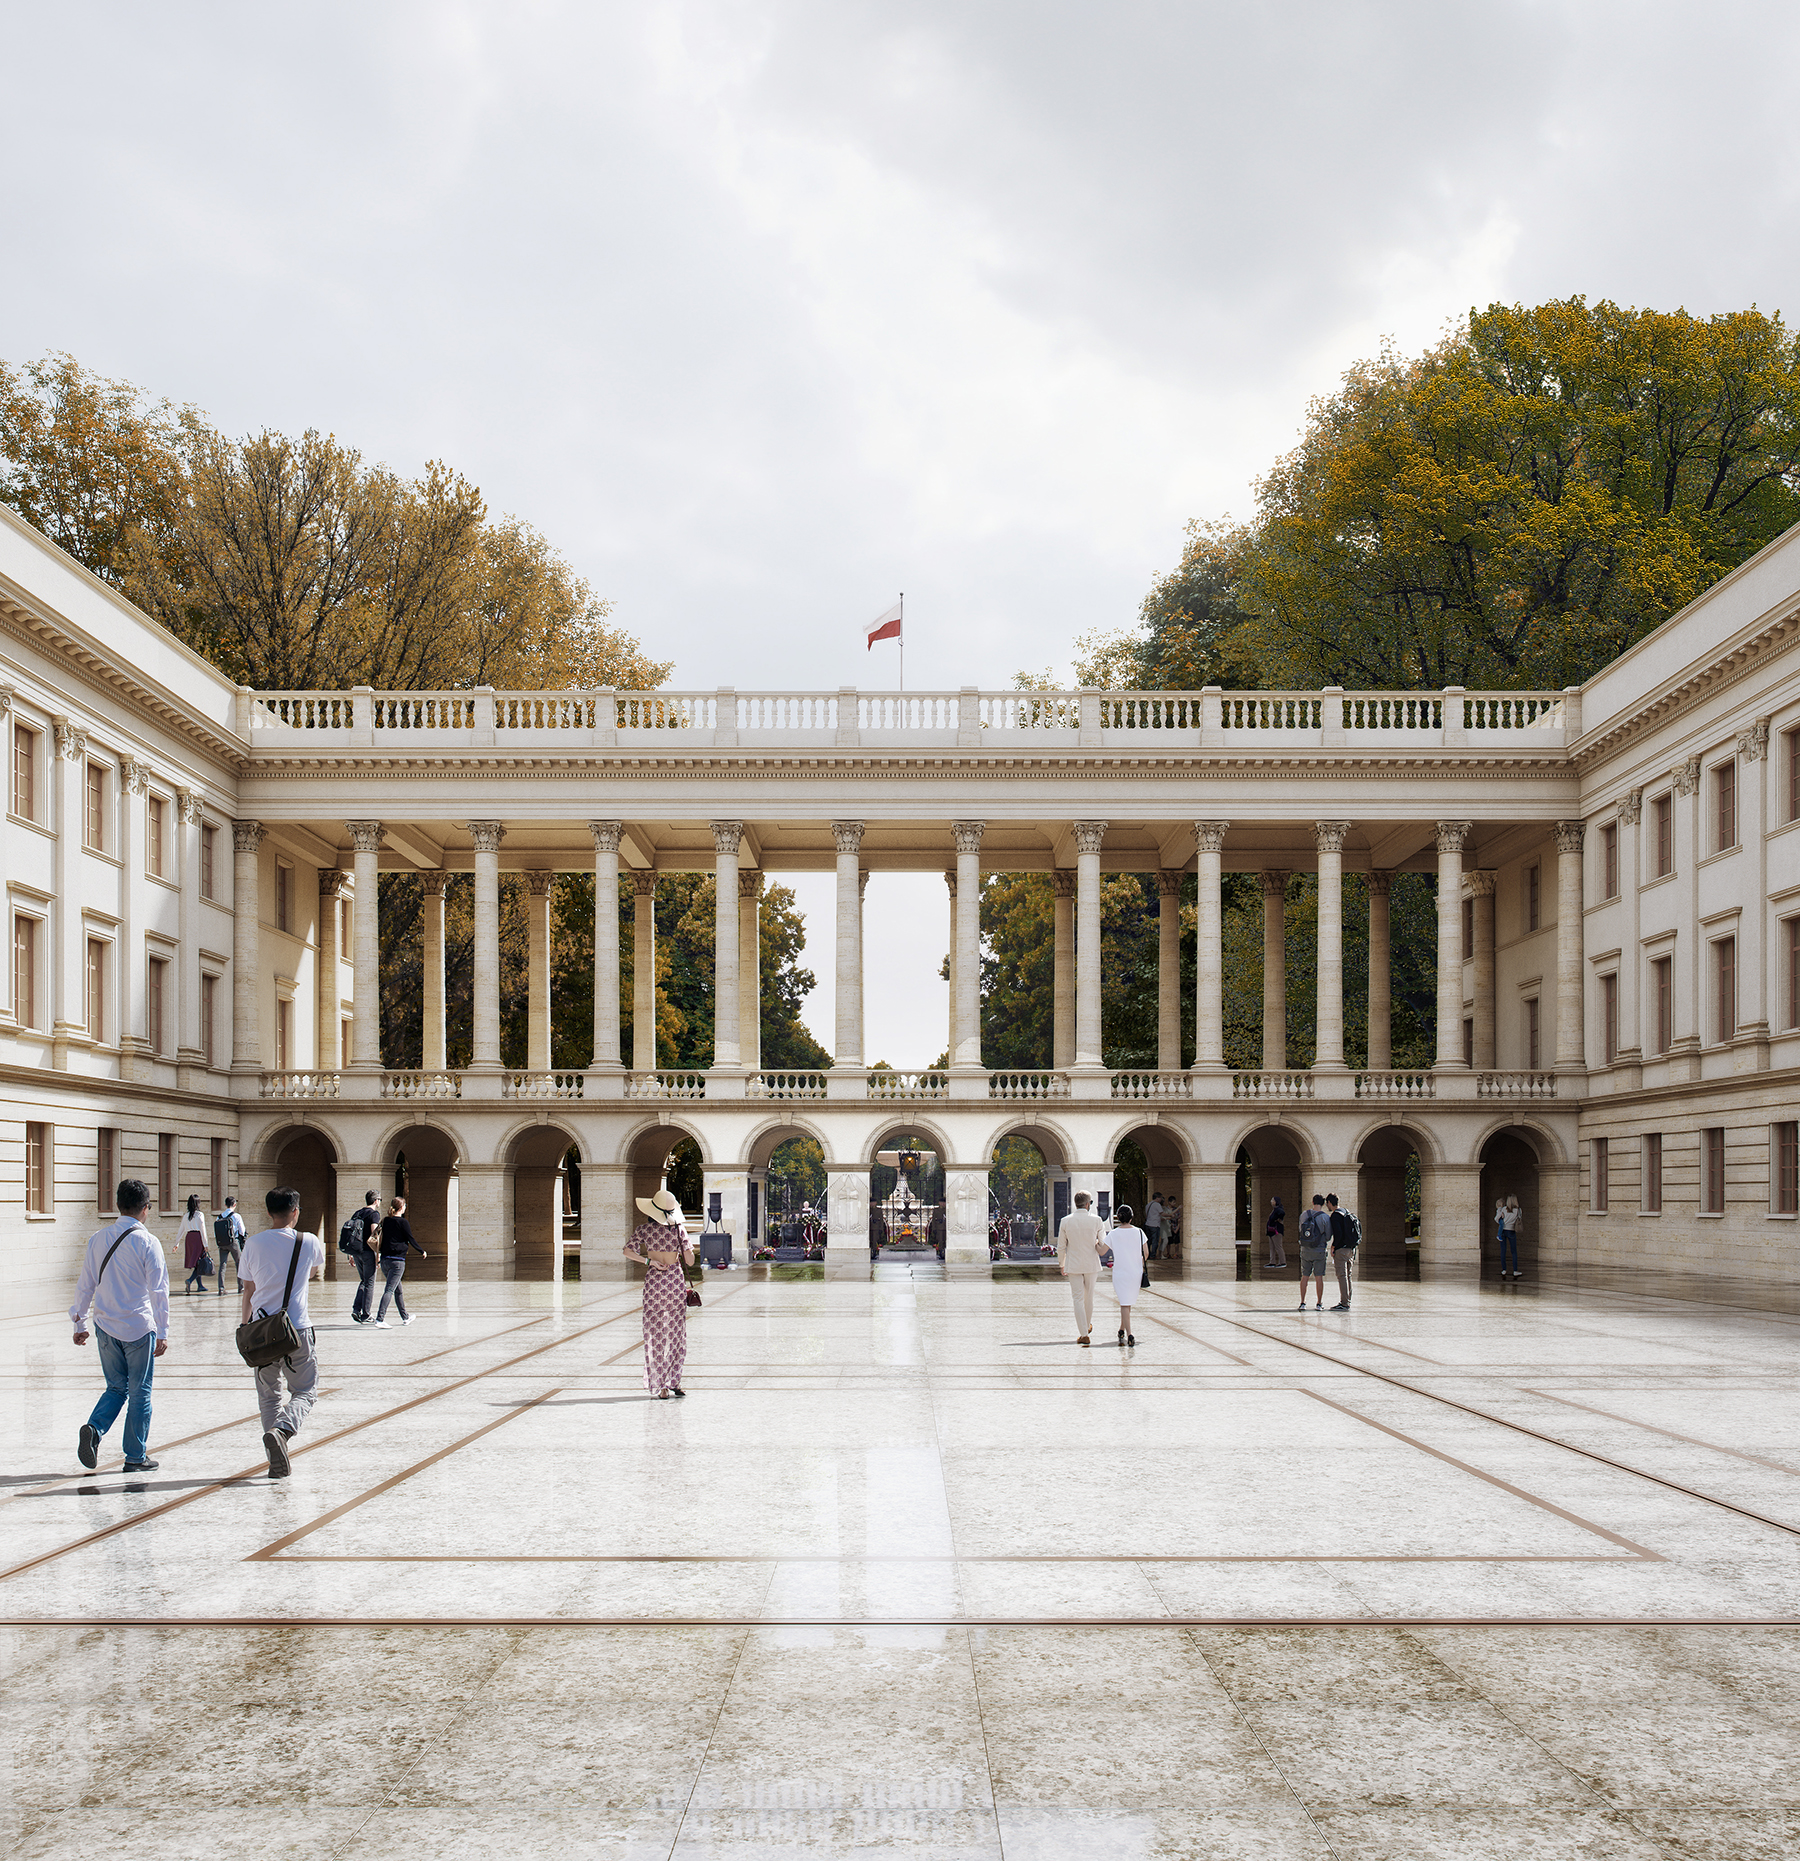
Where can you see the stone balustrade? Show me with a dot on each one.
(1153, 1085)
(533, 1085)
(1028, 1083)
(660, 1085)
(1515, 1085)
(299, 1085)
(1279, 1086)
(1391, 1086)
(884, 1083)
(797, 1085)
(421, 1085)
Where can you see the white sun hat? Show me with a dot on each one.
(661, 1207)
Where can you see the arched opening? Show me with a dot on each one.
(1148, 1164)
(793, 1189)
(1268, 1165)
(1509, 1167)
(1390, 1203)
(539, 1187)
(307, 1162)
(422, 1167)
(1019, 1192)
(906, 1198)
(667, 1156)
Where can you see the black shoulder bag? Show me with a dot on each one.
(266, 1339)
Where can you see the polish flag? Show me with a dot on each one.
(887, 627)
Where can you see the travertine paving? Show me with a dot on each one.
(1471, 1572)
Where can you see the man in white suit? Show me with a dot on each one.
(1078, 1244)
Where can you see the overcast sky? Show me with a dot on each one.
(766, 312)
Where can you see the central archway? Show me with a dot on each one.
(539, 1162)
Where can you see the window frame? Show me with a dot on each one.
(1662, 813)
(27, 975)
(96, 796)
(1609, 1016)
(284, 896)
(1662, 993)
(1599, 1175)
(1784, 1168)
(1712, 1170)
(156, 1005)
(216, 1176)
(25, 779)
(1791, 742)
(106, 1167)
(40, 1197)
(1725, 806)
(1534, 897)
(209, 842)
(156, 820)
(1533, 1035)
(1609, 860)
(97, 959)
(1651, 1199)
(168, 1172)
(209, 1015)
(1725, 989)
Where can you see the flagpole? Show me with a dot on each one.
(903, 639)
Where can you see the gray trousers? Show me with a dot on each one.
(285, 1388)
(1344, 1259)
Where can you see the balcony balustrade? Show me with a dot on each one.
(1515, 1085)
(1278, 1086)
(421, 1085)
(298, 1085)
(887, 1084)
(665, 1085)
(544, 1085)
(801, 1085)
(1389, 1086)
(1029, 1083)
(1165, 1086)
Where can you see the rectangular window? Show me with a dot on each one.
(1653, 1173)
(1468, 1043)
(209, 1014)
(106, 1168)
(1609, 1017)
(1725, 805)
(96, 806)
(1533, 898)
(284, 1027)
(343, 1043)
(1609, 860)
(25, 943)
(1663, 810)
(24, 772)
(96, 990)
(155, 812)
(1598, 1182)
(1791, 742)
(209, 844)
(1787, 1169)
(217, 1183)
(166, 1184)
(1531, 1035)
(37, 1162)
(1662, 986)
(284, 896)
(1712, 1187)
(1725, 987)
(1468, 930)
(344, 927)
(154, 1022)
(1790, 930)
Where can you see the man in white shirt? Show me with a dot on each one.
(125, 1280)
(279, 1258)
(1078, 1244)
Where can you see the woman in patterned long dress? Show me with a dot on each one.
(661, 1242)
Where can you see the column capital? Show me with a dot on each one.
(334, 882)
(189, 806)
(1062, 882)
(246, 836)
(726, 836)
(1380, 883)
(643, 884)
(848, 835)
(1089, 835)
(365, 836)
(1452, 834)
(749, 883)
(1209, 836)
(950, 881)
(967, 835)
(538, 880)
(862, 881)
(487, 835)
(1753, 742)
(1686, 776)
(1329, 836)
(607, 835)
(432, 881)
(1274, 881)
(136, 775)
(1631, 809)
(1569, 835)
(1168, 882)
(71, 739)
(1480, 884)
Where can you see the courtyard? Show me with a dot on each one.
(1476, 1570)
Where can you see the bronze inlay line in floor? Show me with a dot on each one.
(1500, 1421)
(1669, 1434)
(780, 1557)
(1100, 1622)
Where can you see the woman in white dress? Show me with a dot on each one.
(1130, 1250)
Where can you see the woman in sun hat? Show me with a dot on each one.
(661, 1242)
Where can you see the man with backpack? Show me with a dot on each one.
(1315, 1245)
(228, 1238)
(357, 1239)
(125, 1282)
(1346, 1238)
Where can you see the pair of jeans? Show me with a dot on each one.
(197, 1274)
(365, 1278)
(1509, 1244)
(128, 1368)
(393, 1268)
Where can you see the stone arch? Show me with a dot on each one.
(1168, 1153)
(1299, 1138)
(1381, 1155)
(1272, 1159)
(424, 1162)
(306, 1159)
(881, 1138)
(1549, 1150)
(1511, 1165)
(534, 1155)
(768, 1137)
(263, 1153)
(1058, 1148)
(647, 1148)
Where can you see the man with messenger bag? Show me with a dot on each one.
(275, 1336)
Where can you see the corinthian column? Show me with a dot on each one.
(1328, 1051)
(246, 947)
(1274, 897)
(750, 970)
(950, 960)
(537, 969)
(1381, 981)
(1089, 1050)
(365, 953)
(606, 836)
(435, 1051)
(1062, 1013)
(965, 1054)
(328, 1035)
(848, 836)
(643, 971)
(487, 836)
(1168, 971)
(1209, 964)
(1450, 838)
(1571, 1028)
(726, 837)
(1481, 886)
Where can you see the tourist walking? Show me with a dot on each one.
(193, 1245)
(1346, 1237)
(228, 1237)
(1153, 1226)
(357, 1240)
(125, 1281)
(277, 1266)
(1315, 1249)
(396, 1238)
(1080, 1238)
(1275, 1230)
(1510, 1216)
(661, 1242)
(1171, 1229)
(1130, 1257)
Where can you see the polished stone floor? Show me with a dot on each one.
(1476, 1571)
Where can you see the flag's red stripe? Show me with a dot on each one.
(890, 632)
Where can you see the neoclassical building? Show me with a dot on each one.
(192, 867)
